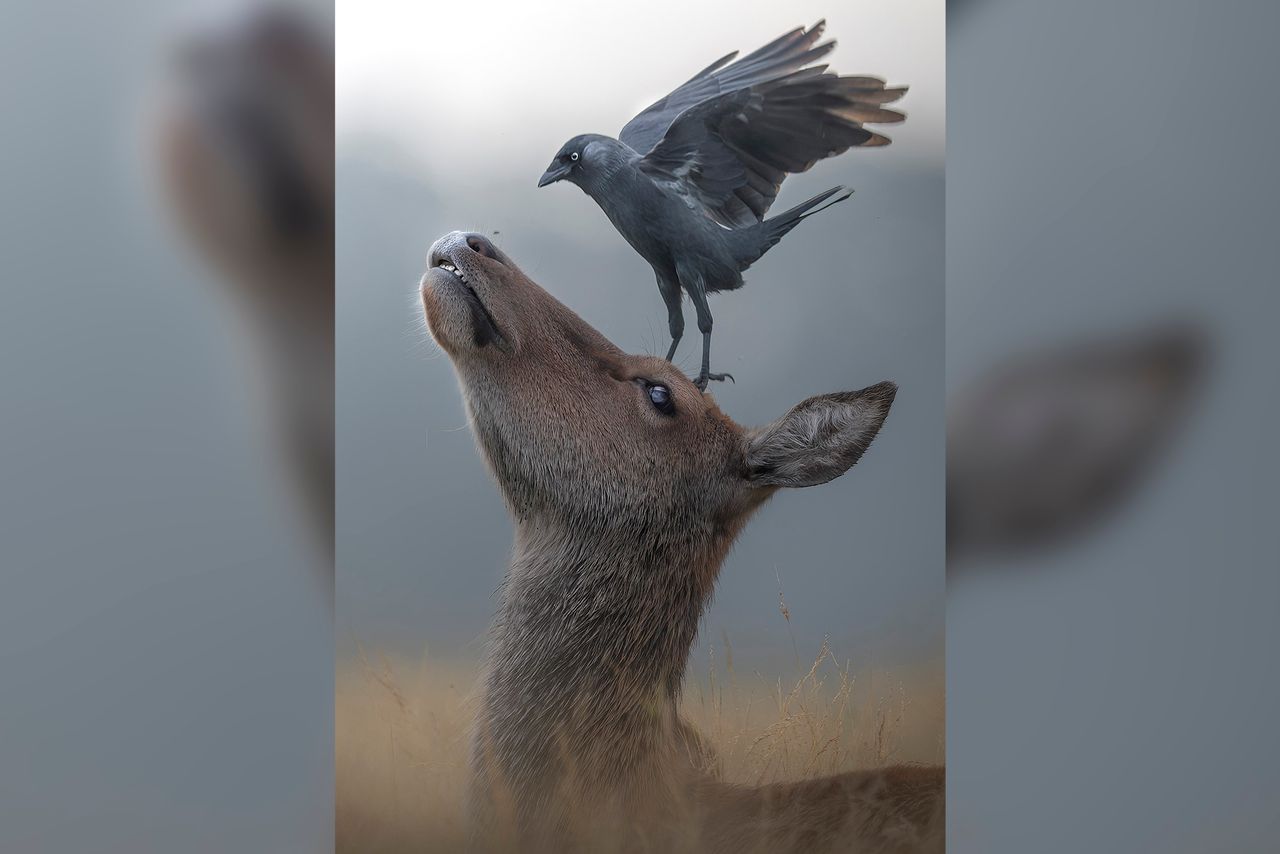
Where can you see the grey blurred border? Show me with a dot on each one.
(1111, 166)
(166, 636)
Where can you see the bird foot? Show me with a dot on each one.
(703, 379)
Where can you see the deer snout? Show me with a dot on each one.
(481, 245)
(456, 243)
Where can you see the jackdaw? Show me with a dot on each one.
(689, 179)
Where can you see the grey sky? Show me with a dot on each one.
(450, 84)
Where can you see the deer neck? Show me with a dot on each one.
(591, 642)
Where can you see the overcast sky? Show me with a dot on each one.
(492, 83)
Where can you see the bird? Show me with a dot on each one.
(688, 181)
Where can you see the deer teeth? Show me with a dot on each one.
(445, 265)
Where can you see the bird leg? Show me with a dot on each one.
(699, 297)
(705, 375)
(672, 296)
(675, 322)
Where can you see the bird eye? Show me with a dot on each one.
(660, 397)
(573, 156)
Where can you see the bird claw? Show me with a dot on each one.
(703, 379)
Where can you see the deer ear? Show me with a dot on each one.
(819, 439)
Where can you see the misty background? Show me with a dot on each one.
(446, 117)
(1118, 692)
(165, 650)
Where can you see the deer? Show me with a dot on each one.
(627, 486)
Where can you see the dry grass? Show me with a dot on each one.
(400, 754)
(826, 720)
(402, 736)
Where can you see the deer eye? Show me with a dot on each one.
(660, 397)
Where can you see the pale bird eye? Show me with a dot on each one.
(573, 156)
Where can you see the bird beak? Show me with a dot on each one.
(554, 173)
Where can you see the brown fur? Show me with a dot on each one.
(623, 517)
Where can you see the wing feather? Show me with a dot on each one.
(732, 151)
(779, 57)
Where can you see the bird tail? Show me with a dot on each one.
(766, 235)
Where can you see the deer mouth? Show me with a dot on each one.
(484, 328)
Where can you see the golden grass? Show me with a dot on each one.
(825, 720)
(402, 736)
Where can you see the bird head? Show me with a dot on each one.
(577, 160)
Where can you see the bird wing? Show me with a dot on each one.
(728, 137)
(780, 56)
(731, 152)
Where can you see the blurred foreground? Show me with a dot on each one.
(402, 742)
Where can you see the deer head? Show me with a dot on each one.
(575, 430)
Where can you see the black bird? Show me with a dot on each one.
(689, 180)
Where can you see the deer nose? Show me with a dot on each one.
(481, 245)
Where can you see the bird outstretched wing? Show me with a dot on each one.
(731, 150)
(781, 56)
